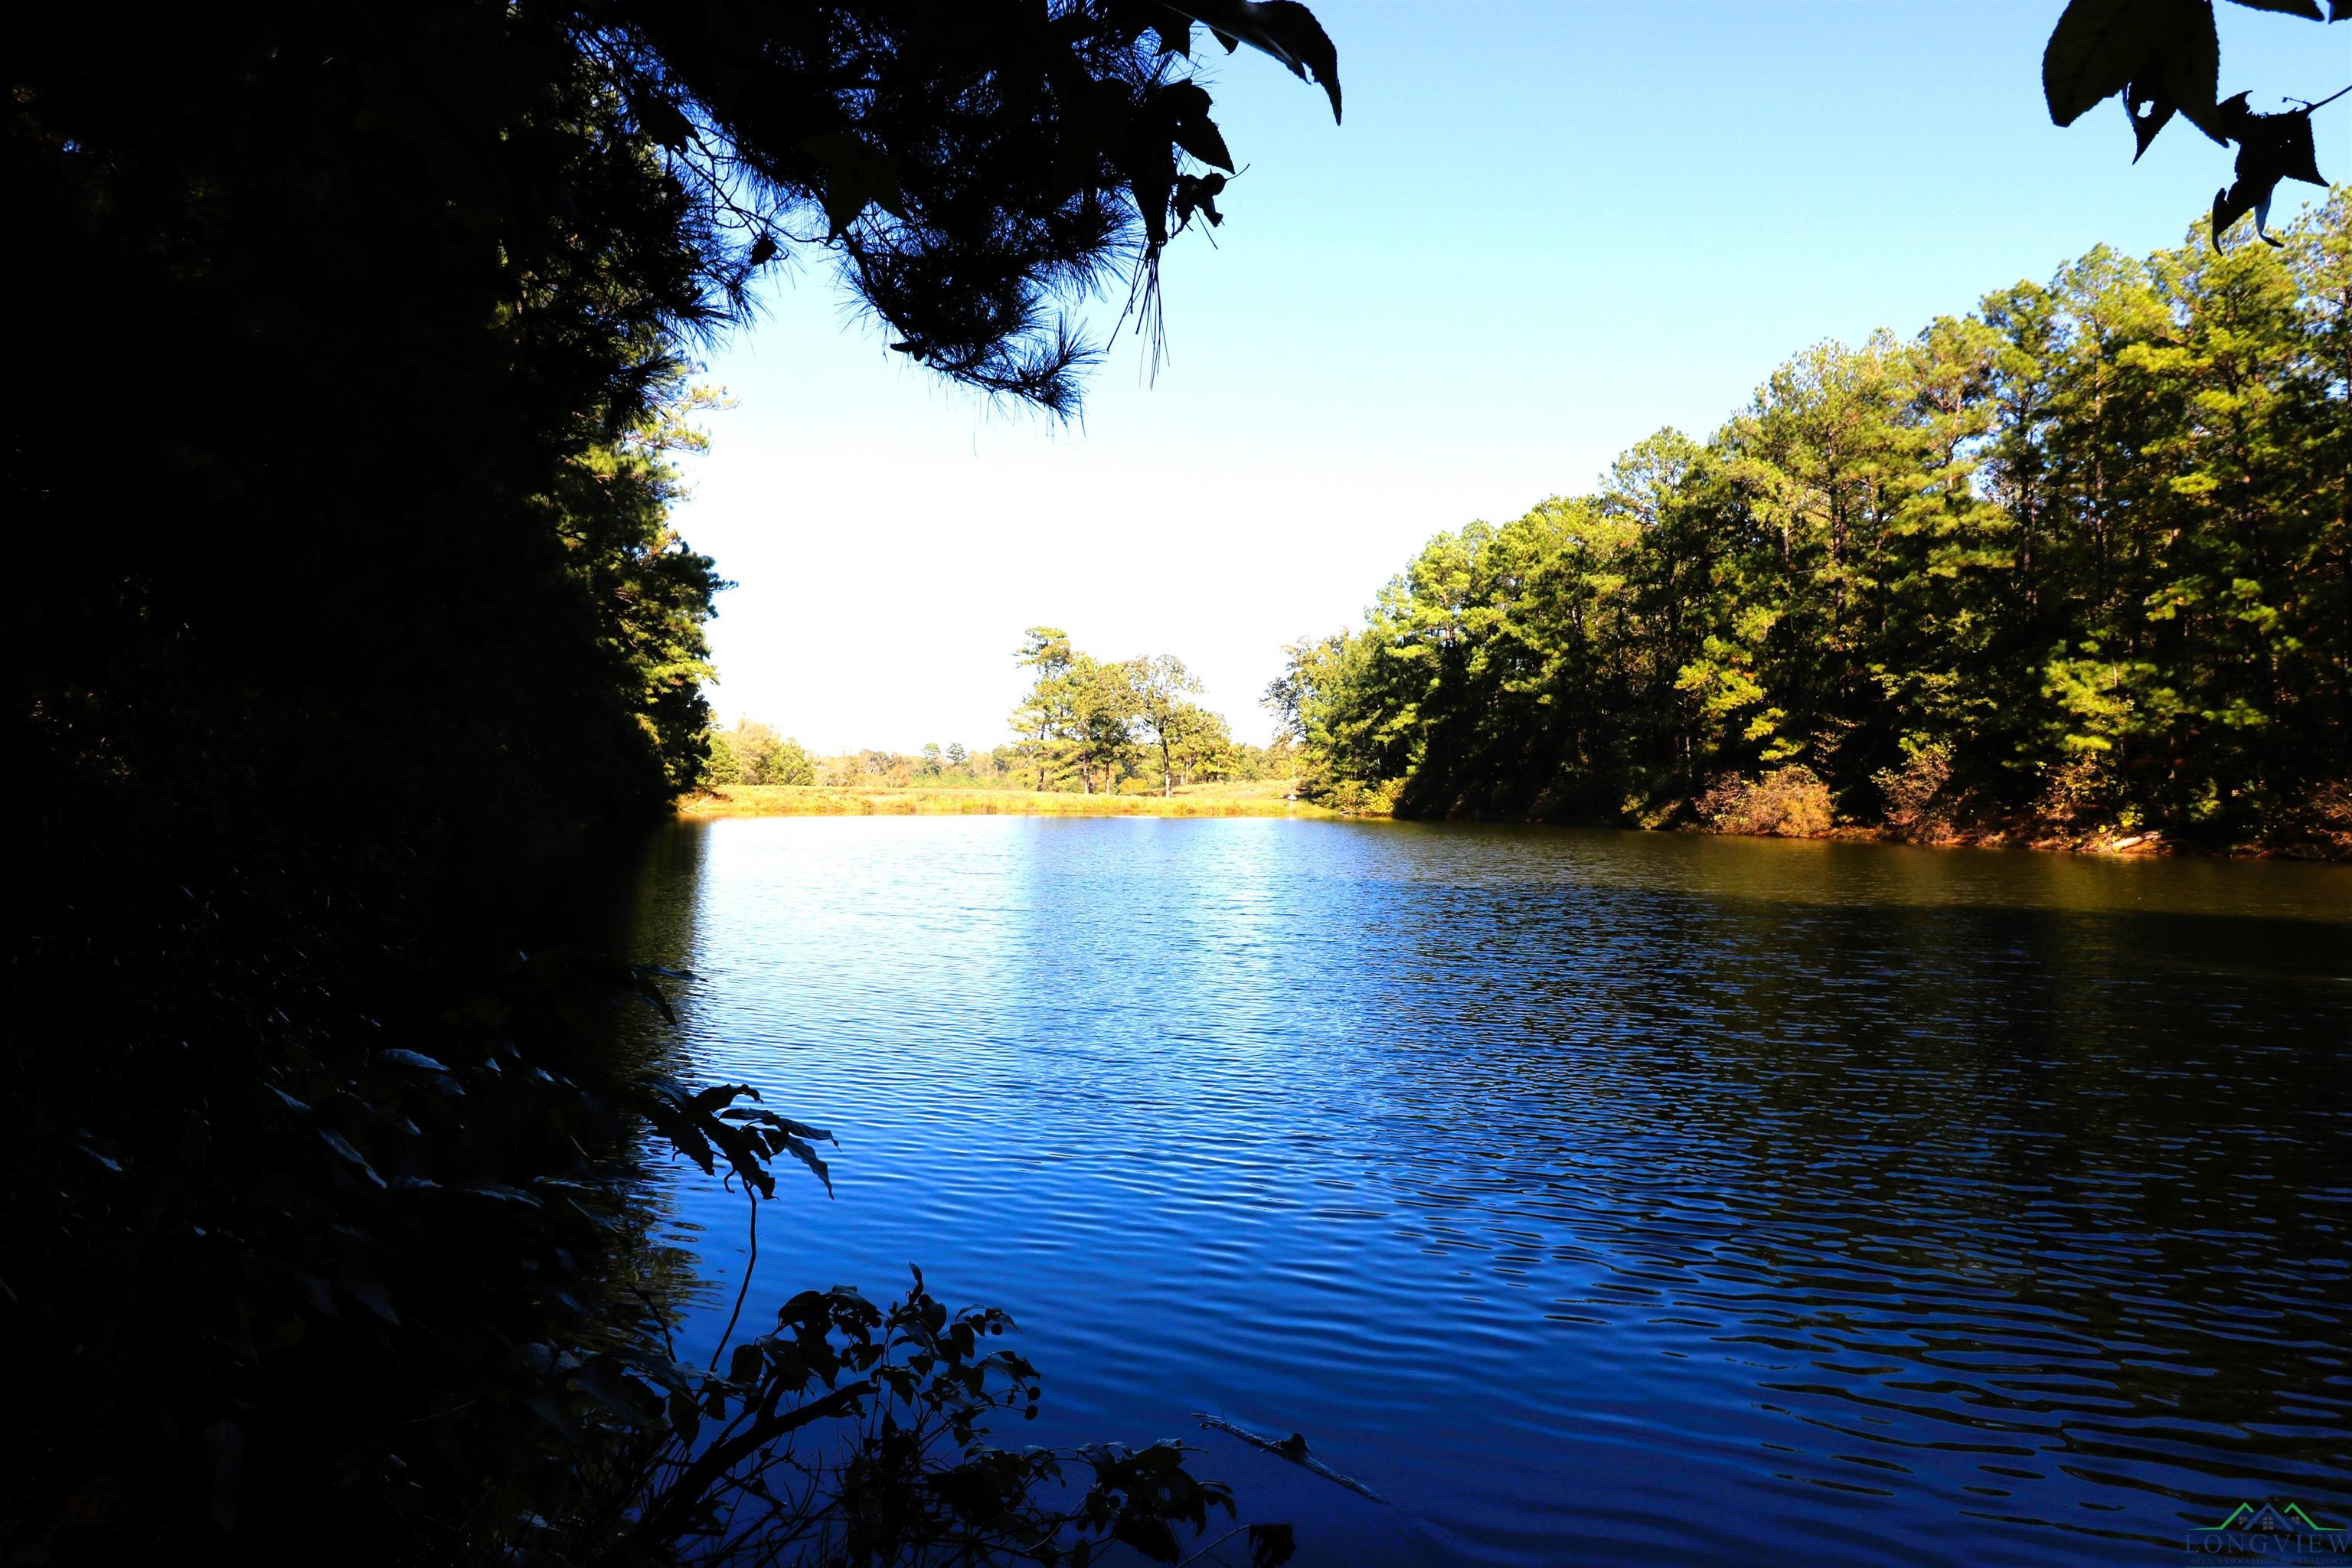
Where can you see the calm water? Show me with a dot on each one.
(1596, 1198)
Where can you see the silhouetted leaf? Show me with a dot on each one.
(855, 176)
(1153, 1537)
(371, 1294)
(342, 1146)
(2164, 52)
(1199, 195)
(2292, 7)
(661, 120)
(642, 979)
(501, 1192)
(715, 1095)
(554, 1415)
(1201, 139)
(2179, 77)
(808, 1156)
(1271, 1545)
(1283, 29)
(2271, 148)
(631, 1402)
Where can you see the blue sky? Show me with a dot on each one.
(1544, 231)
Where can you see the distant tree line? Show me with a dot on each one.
(752, 753)
(2077, 561)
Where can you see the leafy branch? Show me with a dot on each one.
(849, 1431)
(2163, 59)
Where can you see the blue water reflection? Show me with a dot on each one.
(1598, 1197)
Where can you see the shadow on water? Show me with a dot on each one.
(1588, 1193)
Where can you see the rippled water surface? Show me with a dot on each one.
(1596, 1198)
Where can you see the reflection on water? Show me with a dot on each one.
(1595, 1196)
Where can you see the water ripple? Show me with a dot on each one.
(1597, 1196)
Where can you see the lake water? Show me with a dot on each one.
(1596, 1198)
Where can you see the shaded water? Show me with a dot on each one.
(1596, 1198)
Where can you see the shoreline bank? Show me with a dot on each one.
(823, 800)
(2133, 846)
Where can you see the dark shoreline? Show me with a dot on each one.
(2139, 846)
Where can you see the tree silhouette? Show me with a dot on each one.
(344, 610)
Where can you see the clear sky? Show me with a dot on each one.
(1544, 231)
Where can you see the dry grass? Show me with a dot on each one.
(1261, 799)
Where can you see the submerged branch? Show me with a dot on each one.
(1293, 1447)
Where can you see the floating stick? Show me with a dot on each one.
(1294, 1449)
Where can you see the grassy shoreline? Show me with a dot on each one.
(1272, 800)
(826, 800)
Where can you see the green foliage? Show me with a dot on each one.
(753, 753)
(2080, 559)
(861, 1433)
(848, 1433)
(1160, 688)
(1094, 718)
(650, 593)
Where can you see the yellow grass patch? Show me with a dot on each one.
(1267, 799)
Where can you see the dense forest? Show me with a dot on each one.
(2074, 566)
(348, 633)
